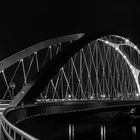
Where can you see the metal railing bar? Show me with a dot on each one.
(17, 130)
(6, 133)
(5, 79)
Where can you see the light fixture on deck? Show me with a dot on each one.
(12, 86)
(137, 95)
(69, 96)
(91, 97)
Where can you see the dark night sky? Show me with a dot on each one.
(24, 24)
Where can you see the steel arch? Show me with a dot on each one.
(134, 70)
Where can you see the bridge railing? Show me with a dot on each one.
(13, 133)
(14, 117)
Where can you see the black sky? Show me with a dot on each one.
(24, 24)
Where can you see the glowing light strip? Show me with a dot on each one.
(134, 70)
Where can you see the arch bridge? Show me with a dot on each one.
(75, 70)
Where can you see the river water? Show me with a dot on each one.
(115, 125)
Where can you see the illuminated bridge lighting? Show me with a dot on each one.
(102, 70)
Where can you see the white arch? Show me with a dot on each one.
(135, 71)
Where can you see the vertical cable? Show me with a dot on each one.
(12, 78)
(46, 57)
(61, 80)
(79, 82)
(23, 68)
(72, 79)
(36, 58)
(6, 85)
(80, 72)
(29, 66)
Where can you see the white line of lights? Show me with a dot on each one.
(126, 42)
(134, 70)
(130, 44)
(123, 38)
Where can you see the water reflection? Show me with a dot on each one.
(110, 131)
(103, 132)
(71, 131)
(105, 126)
(134, 130)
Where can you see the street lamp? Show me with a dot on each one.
(69, 96)
(12, 86)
